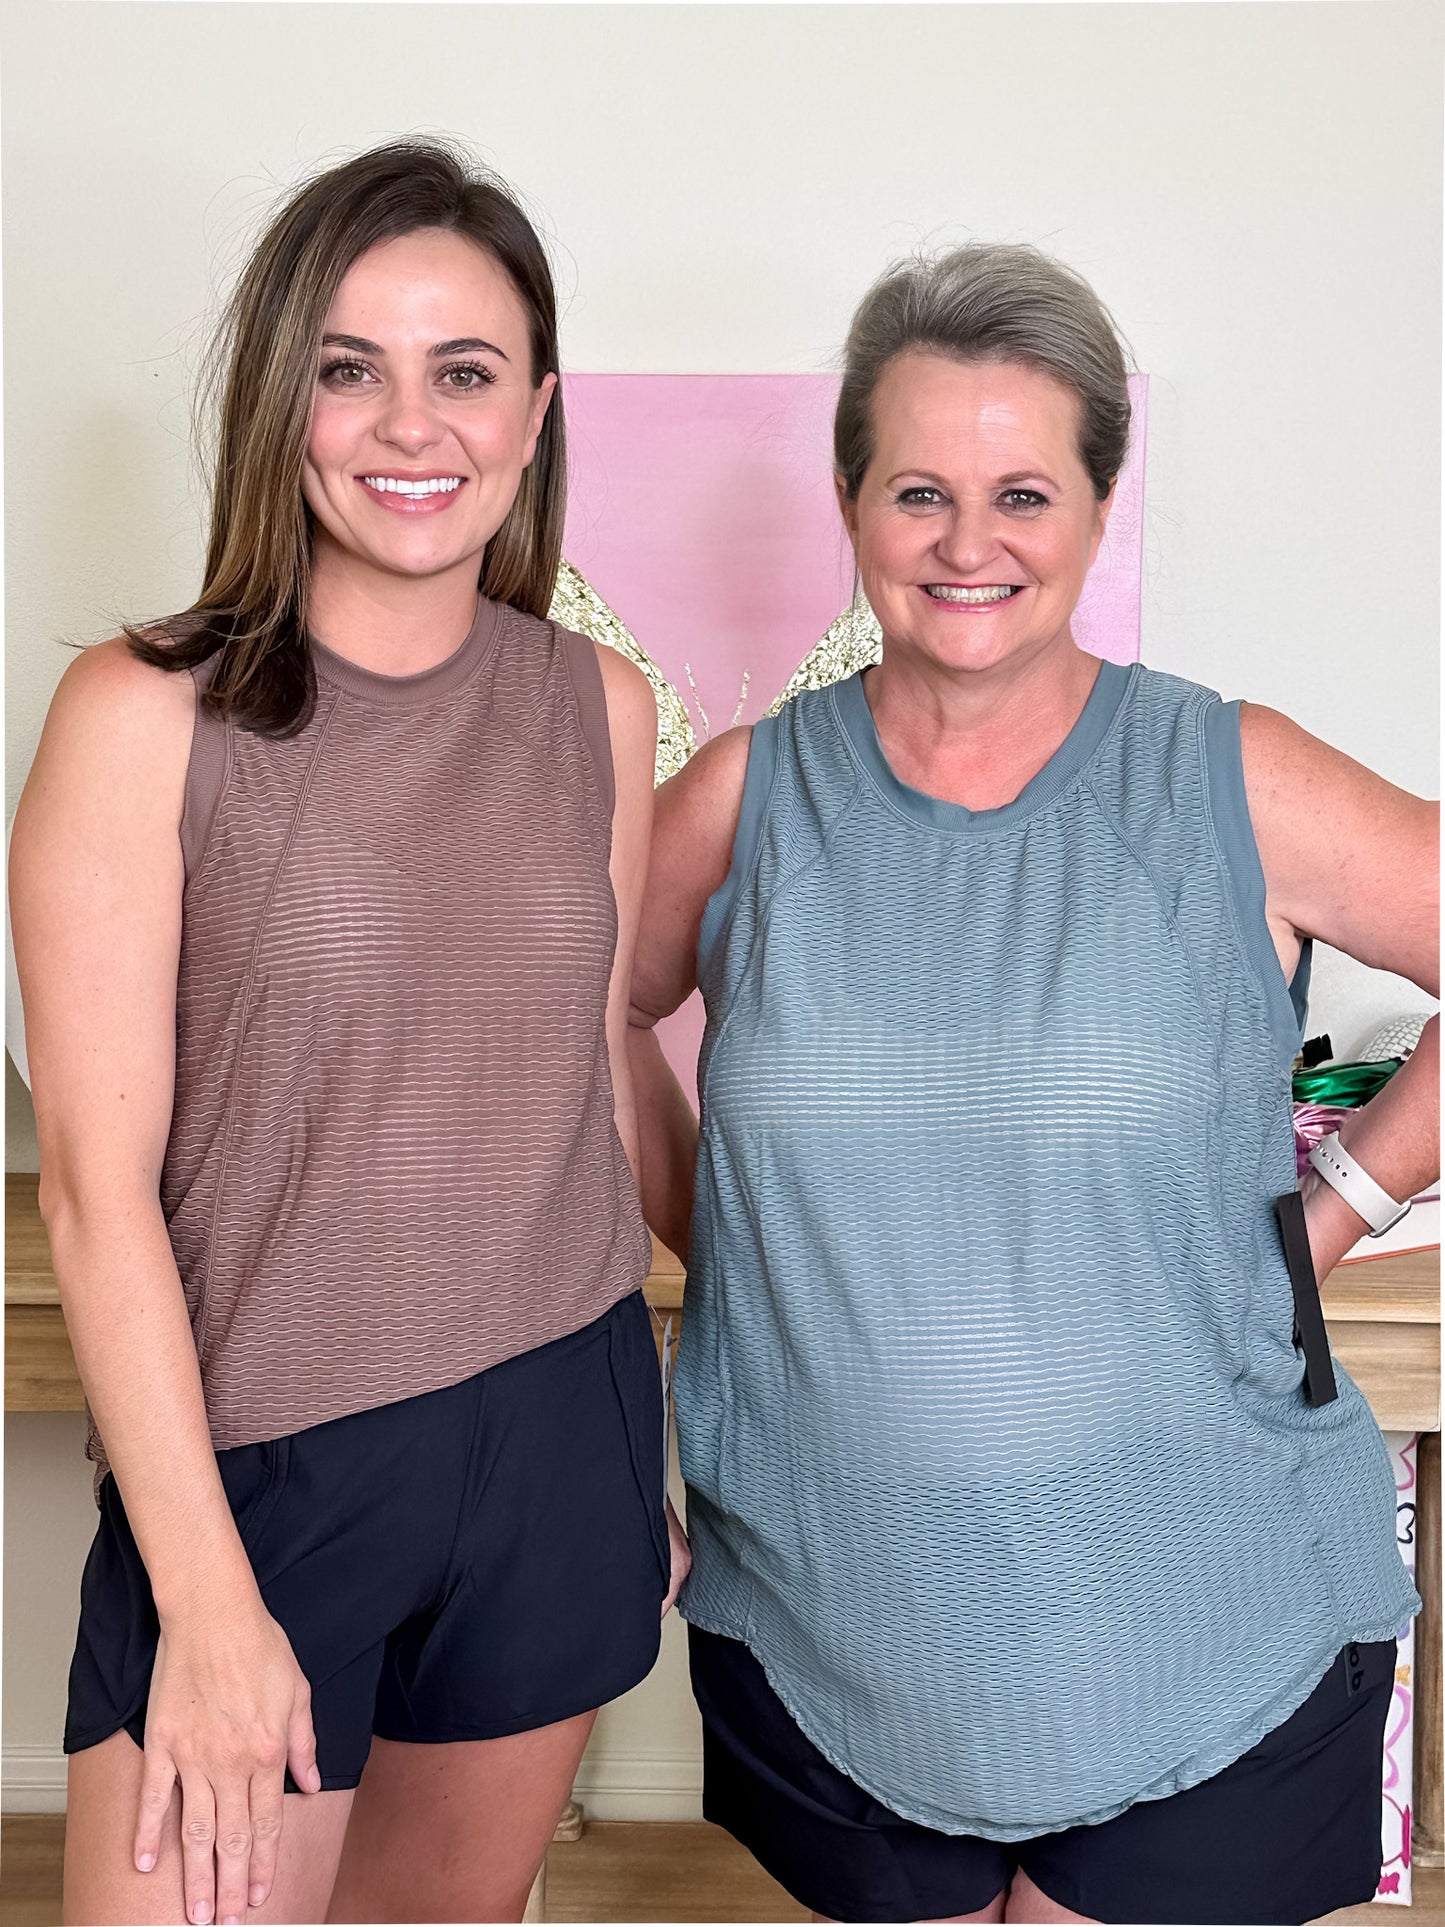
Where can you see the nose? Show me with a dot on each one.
(968, 538)
(409, 420)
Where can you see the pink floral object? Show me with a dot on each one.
(1313, 1123)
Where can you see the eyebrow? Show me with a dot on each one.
(463, 344)
(1002, 481)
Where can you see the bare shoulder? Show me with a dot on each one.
(118, 729)
(708, 789)
(631, 710)
(108, 686)
(619, 676)
(1290, 775)
(692, 849)
(629, 693)
(1347, 856)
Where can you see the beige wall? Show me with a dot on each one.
(1255, 190)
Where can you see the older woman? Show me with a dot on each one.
(1033, 1581)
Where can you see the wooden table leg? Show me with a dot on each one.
(1428, 1829)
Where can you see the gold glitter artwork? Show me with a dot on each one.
(577, 605)
(850, 643)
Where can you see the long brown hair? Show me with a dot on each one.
(251, 612)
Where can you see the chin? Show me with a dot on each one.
(421, 566)
(953, 651)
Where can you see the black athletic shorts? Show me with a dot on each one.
(1289, 1831)
(472, 1562)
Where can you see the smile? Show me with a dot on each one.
(952, 592)
(397, 485)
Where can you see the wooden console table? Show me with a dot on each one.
(1384, 1322)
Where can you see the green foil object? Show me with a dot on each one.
(1344, 1085)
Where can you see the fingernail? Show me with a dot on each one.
(201, 1912)
(230, 1920)
(145, 1861)
(256, 1896)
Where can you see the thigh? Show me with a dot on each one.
(1027, 1902)
(834, 1847)
(1288, 1832)
(101, 1882)
(456, 1831)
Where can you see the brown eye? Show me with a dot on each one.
(345, 374)
(467, 376)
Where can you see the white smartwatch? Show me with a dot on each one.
(1355, 1185)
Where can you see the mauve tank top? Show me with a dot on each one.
(393, 1160)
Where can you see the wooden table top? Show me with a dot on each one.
(1383, 1313)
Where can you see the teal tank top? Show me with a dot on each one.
(990, 1411)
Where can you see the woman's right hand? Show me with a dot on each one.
(229, 1711)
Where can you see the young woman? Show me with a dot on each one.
(1032, 1580)
(325, 898)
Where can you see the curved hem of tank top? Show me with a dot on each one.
(1179, 1779)
(225, 1442)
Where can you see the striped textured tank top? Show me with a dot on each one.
(990, 1411)
(393, 1160)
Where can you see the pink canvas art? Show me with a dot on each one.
(701, 509)
(1398, 1780)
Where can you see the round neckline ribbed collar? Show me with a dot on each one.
(426, 685)
(1100, 708)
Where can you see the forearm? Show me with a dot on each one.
(667, 1135)
(1396, 1137)
(126, 1315)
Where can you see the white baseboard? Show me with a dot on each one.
(32, 1780)
(616, 1786)
(641, 1786)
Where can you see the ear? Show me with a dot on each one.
(541, 401)
(847, 508)
(1101, 522)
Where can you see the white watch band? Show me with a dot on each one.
(1355, 1185)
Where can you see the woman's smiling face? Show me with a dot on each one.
(975, 522)
(424, 414)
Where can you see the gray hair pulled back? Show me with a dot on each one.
(988, 301)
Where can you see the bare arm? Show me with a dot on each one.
(632, 724)
(96, 877)
(692, 843)
(1352, 860)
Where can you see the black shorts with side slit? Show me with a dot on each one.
(1288, 1832)
(469, 1563)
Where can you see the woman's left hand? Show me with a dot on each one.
(681, 1559)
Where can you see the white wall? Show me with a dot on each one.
(1254, 189)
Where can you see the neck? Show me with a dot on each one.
(977, 737)
(394, 624)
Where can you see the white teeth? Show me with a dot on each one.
(394, 485)
(996, 592)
